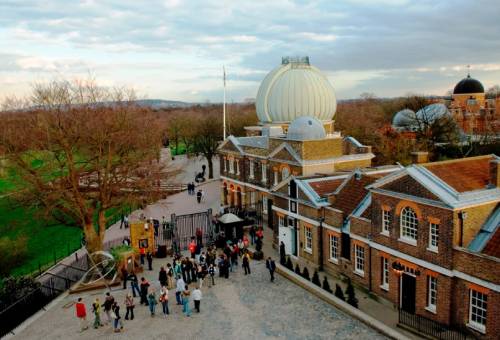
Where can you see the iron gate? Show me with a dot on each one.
(178, 233)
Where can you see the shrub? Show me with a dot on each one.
(339, 293)
(14, 288)
(351, 295)
(289, 263)
(305, 274)
(326, 285)
(297, 269)
(12, 253)
(315, 279)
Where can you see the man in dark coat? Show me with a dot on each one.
(271, 266)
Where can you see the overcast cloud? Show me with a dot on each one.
(175, 49)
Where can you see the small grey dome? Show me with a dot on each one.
(432, 112)
(306, 128)
(404, 119)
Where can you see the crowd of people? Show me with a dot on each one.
(196, 269)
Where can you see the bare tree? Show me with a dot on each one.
(80, 151)
(208, 134)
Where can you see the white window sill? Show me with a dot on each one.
(431, 309)
(309, 251)
(334, 261)
(434, 250)
(408, 241)
(476, 327)
(385, 233)
(359, 273)
(385, 287)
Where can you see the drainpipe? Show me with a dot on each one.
(320, 228)
(461, 217)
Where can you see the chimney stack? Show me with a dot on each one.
(419, 157)
(495, 173)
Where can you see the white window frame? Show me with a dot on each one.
(264, 172)
(231, 166)
(251, 174)
(264, 204)
(385, 273)
(431, 293)
(433, 237)
(408, 226)
(275, 177)
(285, 172)
(474, 298)
(281, 221)
(308, 239)
(386, 222)
(334, 248)
(359, 260)
(237, 166)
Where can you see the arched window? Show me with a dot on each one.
(285, 172)
(409, 224)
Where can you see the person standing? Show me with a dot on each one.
(142, 252)
(108, 302)
(200, 274)
(271, 266)
(246, 263)
(152, 301)
(129, 304)
(117, 318)
(192, 248)
(126, 221)
(282, 253)
(144, 291)
(124, 276)
(179, 289)
(197, 298)
(134, 284)
(96, 308)
(164, 300)
(162, 277)
(198, 196)
(202, 195)
(170, 275)
(211, 272)
(150, 261)
(81, 314)
(185, 301)
(122, 221)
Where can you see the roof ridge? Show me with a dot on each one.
(456, 160)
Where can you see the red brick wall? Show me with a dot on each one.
(481, 266)
(360, 226)
(409, 186)
(335, 218)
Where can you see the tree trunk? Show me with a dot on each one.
(94, 242)
(210, 167)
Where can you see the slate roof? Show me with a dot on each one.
(463, 174)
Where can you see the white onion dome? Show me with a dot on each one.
(295, 89)
(306, 128)
(404, 119)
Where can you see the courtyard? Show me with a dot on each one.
(241, 306)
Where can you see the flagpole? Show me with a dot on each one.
(224, 103)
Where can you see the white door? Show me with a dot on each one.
(286, 237)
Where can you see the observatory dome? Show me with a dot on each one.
(306, 128)
(295, 89)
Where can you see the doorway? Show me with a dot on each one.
(408, 292)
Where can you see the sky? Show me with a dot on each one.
(175, 49)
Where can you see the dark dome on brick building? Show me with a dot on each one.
(468, 85)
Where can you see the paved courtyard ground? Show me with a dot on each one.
(242, 306)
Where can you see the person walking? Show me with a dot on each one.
(200, 274)
(197, 298)
(246, 263)
(152, 301)
(81, 314)
(134, 284)
(126, 221)
(144, 291)
(271, 266)
(185, 301)
(162, 277)
(164, 300)
(170, 275)
(198, 196)
(202, 195)
(211, 272)
(142, 252)
(149, 257)
(179, 289)
(115, 308)
(129, 304)
(108, 302)
(122, 221)
(96, 308)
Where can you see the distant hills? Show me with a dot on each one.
(162, 104)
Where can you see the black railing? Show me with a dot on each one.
(432, 328)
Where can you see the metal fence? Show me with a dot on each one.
(432, 328)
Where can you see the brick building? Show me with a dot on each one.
(425, 237)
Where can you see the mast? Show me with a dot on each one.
(224, 103)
